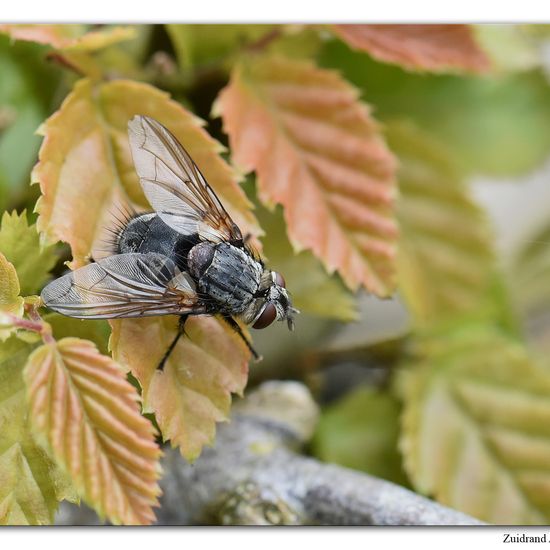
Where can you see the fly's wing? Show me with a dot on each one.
(124, 285)
(174, 186)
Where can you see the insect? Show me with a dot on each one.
(188, 257)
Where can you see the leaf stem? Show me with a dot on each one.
(35, 324)
(62, 61)
(264, 41)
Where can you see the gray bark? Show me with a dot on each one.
(255, 475)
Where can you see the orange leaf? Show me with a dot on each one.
(85, 168)
(88, 415)
(193, 392)
(418, 47)
(317, 151)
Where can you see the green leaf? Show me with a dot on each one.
(361, 432)
(198, 45)
(97, 331)
(493, 125)
(445, 258)
(319, 293)
(20, 243)
(476, 427)
(30, 483)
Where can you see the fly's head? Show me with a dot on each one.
(273, 302)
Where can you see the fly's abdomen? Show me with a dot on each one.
(231, 278)
(148, 233)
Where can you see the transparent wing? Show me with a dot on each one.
(174, 186)
(124, 285)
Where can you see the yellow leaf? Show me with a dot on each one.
(476, 427)
(445, 264)
(86, 172)
(317, 151)
(87, 413)
(10, 301)
(65, 37)
(418, 47)
(193, 392)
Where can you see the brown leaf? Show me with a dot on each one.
(85, 168)
(435, 48)
(193, 392)
(316, 151)
(87, 413)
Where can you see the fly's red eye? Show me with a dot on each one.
(280, 280)
(267, 317)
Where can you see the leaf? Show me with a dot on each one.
(87, 413)
(215, 47)
(207, 45)
(77, 46)
(445, 265)
(493, 125)
(317, 293)
(30, 483)
(418, 47)
(317, 152)
(476, 427)
(510, 47)
(66, 36)
(193, 392)
(527, 273)
(360, 432)
(85, 153)
(20, 243)
(95, 330)
(10, 301)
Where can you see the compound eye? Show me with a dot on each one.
(279, 279)
(267, 317)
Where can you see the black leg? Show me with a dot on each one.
(235, 326)
(181, 331)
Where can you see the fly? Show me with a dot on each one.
(188, 257)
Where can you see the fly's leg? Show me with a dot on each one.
(235, 326)
(181, 331)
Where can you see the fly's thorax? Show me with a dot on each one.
(228, 275)
(199, 259)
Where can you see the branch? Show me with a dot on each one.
(255, 475)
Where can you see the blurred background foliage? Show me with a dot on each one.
(445, 388)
